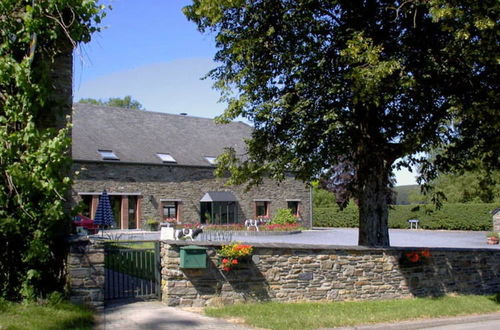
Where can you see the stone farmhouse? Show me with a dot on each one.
(160, 166)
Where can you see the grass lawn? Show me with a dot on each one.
(44, 317)
(335, 314)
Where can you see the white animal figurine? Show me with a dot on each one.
(185, 233)
(252, 223)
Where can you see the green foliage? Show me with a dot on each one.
(323, 198)
(449, 216)
(152, 224)
(284, 217)
(405, 194)
(34, 158)
(45, 316)
(359, 83)
(126, 102)
(475, 186)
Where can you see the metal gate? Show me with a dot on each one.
(132, 270)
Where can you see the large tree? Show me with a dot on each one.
(37, 40)
(350, 89)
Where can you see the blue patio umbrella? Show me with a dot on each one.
(104, 212)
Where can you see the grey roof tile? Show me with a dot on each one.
(136, 136)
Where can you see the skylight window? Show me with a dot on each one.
(108, 155)
(211, 160)
(166, 158)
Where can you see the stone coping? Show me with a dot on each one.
(323, 247)
(76, 239)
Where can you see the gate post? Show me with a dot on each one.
(85, 272)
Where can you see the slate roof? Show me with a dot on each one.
(136, 136)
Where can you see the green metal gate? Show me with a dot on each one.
(132, 270)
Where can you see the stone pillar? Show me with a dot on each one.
(86, 272)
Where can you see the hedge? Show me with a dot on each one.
(449, 216)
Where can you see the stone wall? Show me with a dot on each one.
(187, 184)
(85, 272)
(279, 272)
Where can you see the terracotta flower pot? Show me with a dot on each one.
(492, 240)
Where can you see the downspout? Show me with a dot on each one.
(311, 205)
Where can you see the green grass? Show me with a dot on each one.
(44, 317)
(323, 315)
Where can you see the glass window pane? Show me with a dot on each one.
(166, 158)
(108, 155)
(294, 207)
(132, 212)
(170, 210)
(261, 209)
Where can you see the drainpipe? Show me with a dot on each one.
(311, 205)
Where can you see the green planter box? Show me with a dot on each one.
(193, 256)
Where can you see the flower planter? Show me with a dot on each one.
(493, 240)
(234, 255)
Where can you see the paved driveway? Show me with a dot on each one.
(153, 315)
(349, 237)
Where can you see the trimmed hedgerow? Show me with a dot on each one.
(449, 216)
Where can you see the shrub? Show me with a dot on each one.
(283, 217)
(450, 216)
(152, 224)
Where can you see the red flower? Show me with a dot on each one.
(226, 269)
(425, 253)
(225, 261)
(234, 262)
(413, 256)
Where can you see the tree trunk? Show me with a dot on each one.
(373, 207)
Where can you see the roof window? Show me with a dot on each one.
(211, 160)
(108, 155)
(166, 158)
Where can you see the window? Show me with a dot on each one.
(108, 155)
(87, 206)
(166, 158)
(262, 209)
(219, 213)
(294, 207)
(170, 211)
(211, 160)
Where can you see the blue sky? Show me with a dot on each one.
(149, 50)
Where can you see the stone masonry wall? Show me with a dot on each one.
(279, 272)
(85, 269)
(187, 184)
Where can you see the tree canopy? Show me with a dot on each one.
(126, 102)
(341, 89)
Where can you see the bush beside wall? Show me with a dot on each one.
(450, 216)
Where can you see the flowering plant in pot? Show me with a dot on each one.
(493, 237)
(230, 255)
(414, 258)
